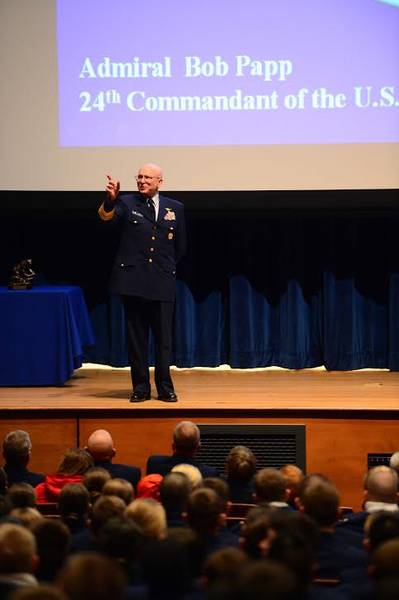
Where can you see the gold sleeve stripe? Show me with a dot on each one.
(105, 216)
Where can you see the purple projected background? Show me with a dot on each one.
(288, 72)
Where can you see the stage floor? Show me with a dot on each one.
(94, 387)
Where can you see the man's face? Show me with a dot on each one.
(149, 180)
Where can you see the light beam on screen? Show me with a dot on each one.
(274, 73)
(392, 2)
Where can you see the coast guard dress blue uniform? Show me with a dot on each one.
(144, 274)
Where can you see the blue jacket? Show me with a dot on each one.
(145, 263)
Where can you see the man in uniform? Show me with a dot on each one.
(152, 241)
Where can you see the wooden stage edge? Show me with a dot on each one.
(346, 415)
(98, 388)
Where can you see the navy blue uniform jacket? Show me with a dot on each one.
(148, 252)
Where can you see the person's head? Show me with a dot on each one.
(264, 580)
(104, 509)
(17, 448)
(74, 502)
(75, 462)
(52, 540)
(22, 495)
(320, 500)
(149, 179)
(150, 517)
(270, 486)
(174, 492)
(94, 480)
(191, 472)
(379, 528)
(240, 464)
(186, 438)
(394, 461)
(28, 516)
(293, 477)
(119, 487)
(166, 569)
(221, 488)
(205, 511)
(100, 445)
(381, 485)
(18, 552)
(292, 549)
(223, 565)
(39, 592)
(148, 486)
(385, 559)
(120, 538)
(256, 533)
(91, 576)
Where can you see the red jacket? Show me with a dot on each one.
(50, 489)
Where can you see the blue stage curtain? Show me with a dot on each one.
(274, 290)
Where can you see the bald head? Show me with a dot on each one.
(149, 179)
(381, 485)
(186, 438)
(100, 445)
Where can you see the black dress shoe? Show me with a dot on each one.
(139, 397)
(168, 397)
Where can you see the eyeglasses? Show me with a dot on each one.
(146, 178)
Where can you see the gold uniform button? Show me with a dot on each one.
(150, 260)
(153, 237)
(151, 249)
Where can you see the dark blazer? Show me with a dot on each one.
(162, 464)
(130, 473)
(22, 475)
(145, 263)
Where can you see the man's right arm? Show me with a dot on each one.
(107, 208)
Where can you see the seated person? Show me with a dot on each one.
(186, 442)
(17, 449)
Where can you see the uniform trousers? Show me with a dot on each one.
(143, 315)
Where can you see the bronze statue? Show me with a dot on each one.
(22, 275)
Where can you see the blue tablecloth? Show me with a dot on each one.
(42, 334)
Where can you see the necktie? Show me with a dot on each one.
(151, 207)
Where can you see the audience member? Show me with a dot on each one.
(22, 495)
(319, 499)
(191, 472)
(185, 445)
(394, 462)
(380, 493)
(53, 541)
(28, 516)
(121, 488)
(121, 539)
(266, 580)
(271, 488)
(74, 507)
(101, 447)
(73, 466)
(91, 576)
(150, 517)
(39, 592)
(293, 477)
(222, 569)
(94, 480)
(17, 448)
(174, 492)
(240, 472)
(206, 517)
(148, 486)
(18, 558)
(104, 509)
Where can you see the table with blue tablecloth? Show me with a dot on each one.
(43, 332)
